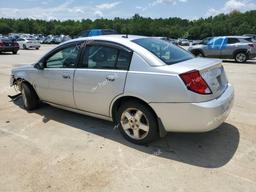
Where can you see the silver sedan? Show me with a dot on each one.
(147, 86)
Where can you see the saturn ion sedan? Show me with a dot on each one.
(147, 86)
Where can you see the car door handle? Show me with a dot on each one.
(111, 78)
(66, 77)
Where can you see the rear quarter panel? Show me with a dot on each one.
(147, 83)
(162, 84)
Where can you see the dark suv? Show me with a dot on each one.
(9, 45)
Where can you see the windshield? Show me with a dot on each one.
(167, 52)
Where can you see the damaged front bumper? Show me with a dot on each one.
(12, 80)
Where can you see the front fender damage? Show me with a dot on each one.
(16, 83)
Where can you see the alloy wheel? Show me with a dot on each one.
(241, 57)
(135, 123)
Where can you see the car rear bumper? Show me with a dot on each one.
(30, 46)
(9, 49)
(195, 117)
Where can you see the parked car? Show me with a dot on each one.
(60, 39)
(226, 47)
(66, 38)
(196, 42)
(28, 43)
(184, 42)
(56, 39)
(48, 39)
(170, 40)
(253, 36)
(97, 32)
(40, 39)
(147, 86)
(8, 45)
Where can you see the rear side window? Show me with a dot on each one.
(105, 57)
(167, 52)
(233, 40)
(124, 59)
(245, 40)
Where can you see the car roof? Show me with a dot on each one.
(115, 38)
(235, 36)
(125, 40)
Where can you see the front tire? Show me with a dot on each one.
(15, 52)
(137, 123)
(24, 46)
(29, 97)
(198, 54)
(241, 57)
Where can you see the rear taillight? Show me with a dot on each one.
(1, 44)
(194, 82)
(253, 45)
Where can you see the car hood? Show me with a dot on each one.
(196, 46)
(23, 67)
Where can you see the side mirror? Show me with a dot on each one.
(39, 65)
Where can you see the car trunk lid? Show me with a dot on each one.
(211, 70)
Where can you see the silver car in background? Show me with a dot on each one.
(147, 86)
(28, 43)
(240, 48)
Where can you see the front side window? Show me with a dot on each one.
(65, 58)
(105, 57)
(167, 52)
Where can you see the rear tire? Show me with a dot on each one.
(24, 46)
(199, 54)
(15, 52)
(29, 97)
(137, 123)
(37, 48)
(241, 57)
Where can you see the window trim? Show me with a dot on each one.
(109, 44)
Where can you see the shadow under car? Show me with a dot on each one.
(210, 150)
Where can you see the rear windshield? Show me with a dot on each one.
(166, 51)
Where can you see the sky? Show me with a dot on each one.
(93, 9)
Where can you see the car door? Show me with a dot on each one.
(55, 82)
(231, 46)
(214, 47)
(101, 76)
(20, 41)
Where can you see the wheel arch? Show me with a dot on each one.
(19, 80)
(118, 101)
(124, 98)
(195, 51)
(240, 51)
